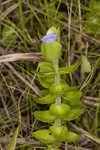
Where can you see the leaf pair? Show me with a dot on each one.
(47, 73)
(63, 113)
(55, 135)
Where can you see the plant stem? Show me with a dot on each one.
(57, 82)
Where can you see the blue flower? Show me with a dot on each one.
(49, 38)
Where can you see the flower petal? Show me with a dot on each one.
(49, 38)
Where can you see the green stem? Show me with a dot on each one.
(57, 76)
(21, 15)
(57, 82)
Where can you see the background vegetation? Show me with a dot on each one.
(22, 25)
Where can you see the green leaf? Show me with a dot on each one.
(12, 144)
(85, 66)
(72, 98)
(59, 109)
(59, 89)
(43, 92)
(72, 68)
(44, 116)
(59, 132)
(94, 5)
(73, 114)
(46, 67)
(72, 137)
(48, 99)
(46, 81)
(63, 70)
(8, 36)
(93, 23)
(51, 51)
(44, 136)
(54, 30)
(52, 148)
(73, 95)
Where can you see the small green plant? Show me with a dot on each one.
(8, 36)
(63, 100)
(92, 25)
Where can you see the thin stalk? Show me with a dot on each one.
(59, 3)
(1, 8)
(69, 35)
(57, 82)
(21, 15)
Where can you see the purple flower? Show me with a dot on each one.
(49, 38)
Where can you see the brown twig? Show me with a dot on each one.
(5, 139)
(35, 57)
(85, 133)
(9, 10)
